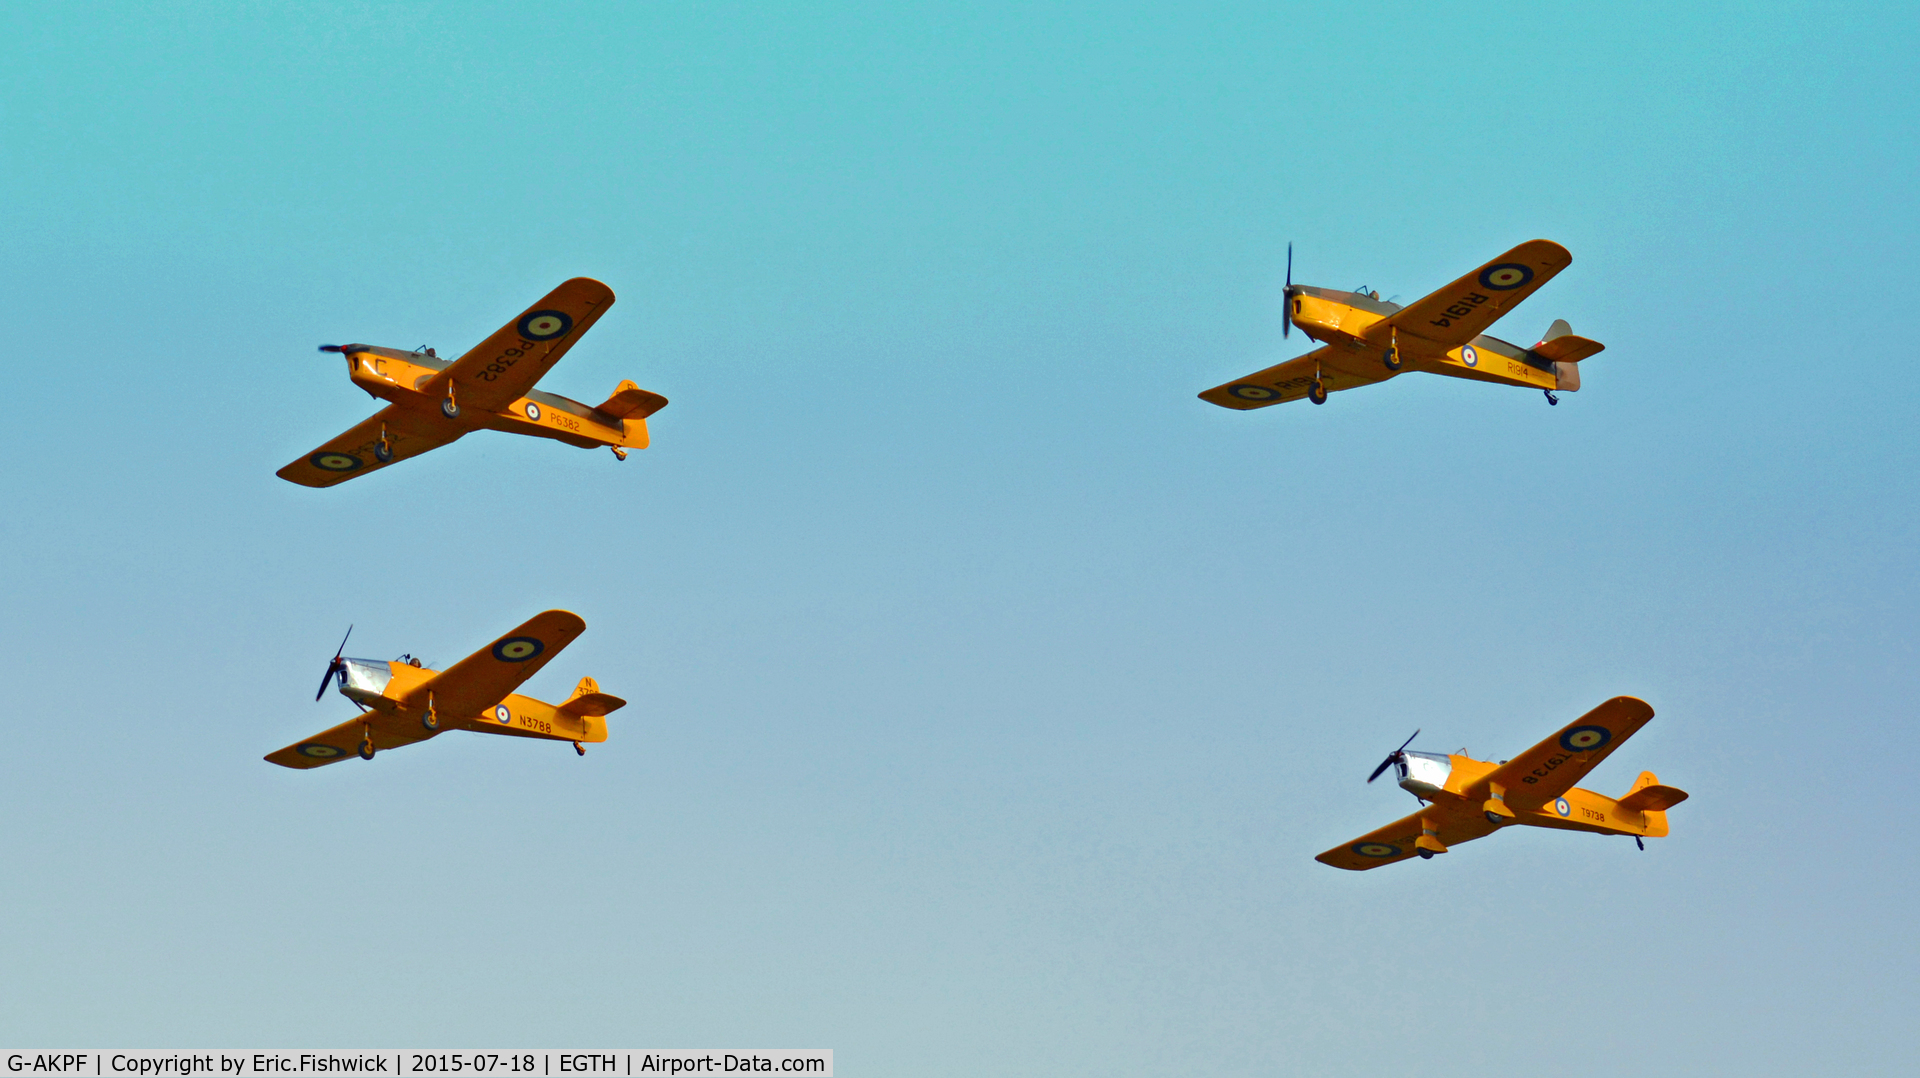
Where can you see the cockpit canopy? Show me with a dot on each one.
(1424, 773)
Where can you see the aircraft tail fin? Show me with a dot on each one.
(1649, 796)
(1564, 350)
(587, 699)
(629, 401)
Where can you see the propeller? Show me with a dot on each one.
(334, 666)
(1393, 757)
(343, 349)
(1286, 323)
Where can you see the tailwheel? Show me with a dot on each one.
(579, 748)
(366, 748)
(1551, 399)
(618, 452)
(1317, 391)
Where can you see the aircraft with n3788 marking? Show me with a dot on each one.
(403, 702)
(1364, 339)
(433, 402)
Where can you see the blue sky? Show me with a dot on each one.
(990, 694)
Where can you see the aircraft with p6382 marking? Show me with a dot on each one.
(1463, 799)
(402, 702)
(433, 402)
(1366, 340)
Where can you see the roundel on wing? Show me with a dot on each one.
(334, 462)
(320, 752)
(543, 325)
(517, 649)
(1376, 849)
(1585, 738)
(1253, 393)
(1506, 276)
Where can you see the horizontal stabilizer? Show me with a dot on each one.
(630, 400)
(1567, 348)
(587, 699)
(1655, 798)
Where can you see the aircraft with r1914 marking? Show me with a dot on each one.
(433, 402)
(402, 702)
(1463, 799)
(1364, 339)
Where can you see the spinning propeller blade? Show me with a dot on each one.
(1393, 757)
(1286, 323)
(333, 666)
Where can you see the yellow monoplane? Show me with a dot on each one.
(434, 402)
(402, 702)
(1365, 339)
(1463, 799)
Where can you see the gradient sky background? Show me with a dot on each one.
(990, 694)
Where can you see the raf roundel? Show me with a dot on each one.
(1585, 738)
(502, 713)
(533, 411)
(1560, 806)
(544, 325)
(320, 752)
(1254, 393)
(1470, 357)
(1376, 849)
(517, 649)
(334, 462)
(1506, 276)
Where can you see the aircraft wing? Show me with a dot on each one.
(388, 731)
(1394, 842)
(485, 677)
(500, 369)
(1288, 381)
(1550, 768)
(409, 434)
(1463, 310)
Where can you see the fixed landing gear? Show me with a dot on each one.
(579, 749)
(1317, 391)
(431, 720)
(1392, 358)
(618, 452)
(1425, 855)
(1551, 399)
(449, 407)
(366, 748)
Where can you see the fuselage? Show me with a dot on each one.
(386, 685)
(1455, 784)
(1354, 322)
(398, 377)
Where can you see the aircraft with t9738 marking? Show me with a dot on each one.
(433, 402)
(402, 702)
(1463, 799)
(1366, 340)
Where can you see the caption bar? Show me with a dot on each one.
(627, 1063)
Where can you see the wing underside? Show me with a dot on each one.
(1551, 768)
(1395, 842)
(504, 367)
(486, 677)
(1337, 369)
(408, 433)
(385, 729)
(1456, 314)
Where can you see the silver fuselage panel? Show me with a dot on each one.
(364, 680)
(1424, 774)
